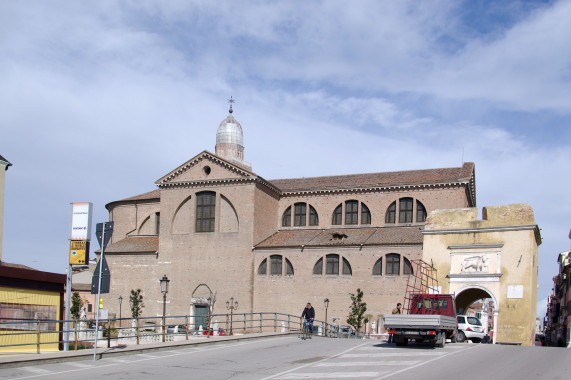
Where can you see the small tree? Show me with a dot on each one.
(357, 311)
(136, 301)
(75, 307)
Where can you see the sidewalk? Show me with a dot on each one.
(27, 359)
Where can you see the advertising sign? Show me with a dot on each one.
(81, 221)
(78, 252)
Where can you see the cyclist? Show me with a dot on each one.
(309, 315)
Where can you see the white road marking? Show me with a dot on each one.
(80, 365)
(277, 375)
(417, 365)
(390, 354)
(386, 362)
(36, 370)
(148, 356)
(330, 375)
(119, 360)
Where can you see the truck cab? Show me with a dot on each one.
(441, 304)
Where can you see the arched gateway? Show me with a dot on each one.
(493, 258)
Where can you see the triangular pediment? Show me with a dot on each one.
(204, 168)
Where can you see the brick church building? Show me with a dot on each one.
(274, 245)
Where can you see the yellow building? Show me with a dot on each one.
(492, 258)
(30, 303)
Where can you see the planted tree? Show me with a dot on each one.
(357, 311)
(76, 304)
(136, 302)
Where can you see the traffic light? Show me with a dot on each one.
(101, 303)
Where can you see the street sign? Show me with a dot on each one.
(78, 252)
(108, 232)
(105, 278)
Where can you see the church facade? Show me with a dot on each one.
(274, 245)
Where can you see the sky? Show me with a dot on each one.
(99, 99)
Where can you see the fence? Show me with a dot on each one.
(47, 335)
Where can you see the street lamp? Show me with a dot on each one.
(120, 302)
(231, 305)
(326, 303)
(164, 289)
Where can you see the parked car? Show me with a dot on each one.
(346, 331)
(470, 328)
(176, 329)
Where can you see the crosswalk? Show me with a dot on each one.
(366, 362)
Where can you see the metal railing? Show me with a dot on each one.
(47, 335)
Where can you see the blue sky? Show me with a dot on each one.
(100, 99)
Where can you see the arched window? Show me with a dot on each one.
(420, 212)
(393, 264)
(407, 266)
(276, 265)
(301, 213)
(286, 218)
(351, 214)
(347, 267)
(337, 215)
(262, 268)
(365, 214)
(405, 210)
(205, 211)
(318, 267)
(391, 212)
(378, 267)
(332, 262)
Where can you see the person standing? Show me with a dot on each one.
(396, 310)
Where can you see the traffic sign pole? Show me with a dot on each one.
(99, 293)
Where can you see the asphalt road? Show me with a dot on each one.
(319, 358)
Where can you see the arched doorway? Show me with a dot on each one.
(466, 296)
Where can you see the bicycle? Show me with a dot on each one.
(307, 329)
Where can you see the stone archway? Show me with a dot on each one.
(471, 293)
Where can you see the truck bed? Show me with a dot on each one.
(419, 321)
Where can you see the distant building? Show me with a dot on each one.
(558, 317)
(274, 245)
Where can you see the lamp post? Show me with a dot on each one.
(120, 302)
(164, 289)
(326, 303)
(231, 305)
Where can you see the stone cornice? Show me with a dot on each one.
(219, 182)
(374, 189)
(476, 246)
(480, 230)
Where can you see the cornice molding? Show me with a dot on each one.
(374, 189)
(524, 227)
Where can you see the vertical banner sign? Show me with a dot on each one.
(78, 252)
(81, 221)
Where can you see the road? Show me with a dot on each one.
(318, 358)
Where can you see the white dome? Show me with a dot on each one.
(230, 132)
